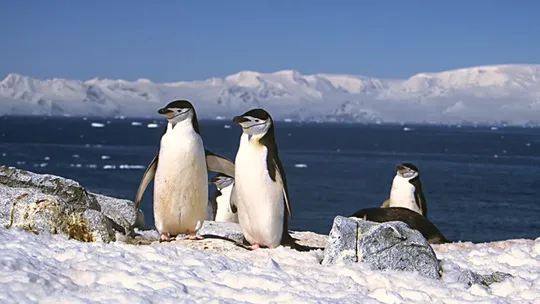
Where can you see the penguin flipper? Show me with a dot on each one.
(232, 201)
(147, 177)
(213, 202)
(219, 163)
(421, 202)
(281, 177)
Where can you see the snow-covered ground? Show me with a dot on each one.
(485, 94)
(53, 269)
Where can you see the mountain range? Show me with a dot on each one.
(499, 94)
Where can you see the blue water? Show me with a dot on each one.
(480, 184)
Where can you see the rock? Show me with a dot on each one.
(99, 225)
(224, 230)
(46, 203)
(469, 278)
(20, 207)
(67, 190)
(342, 242)
(49, 215)
(389, 245)
(120, 211)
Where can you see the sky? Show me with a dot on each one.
(193, 40)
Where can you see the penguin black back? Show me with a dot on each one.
(411, 218)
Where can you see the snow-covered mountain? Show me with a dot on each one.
(487, 94)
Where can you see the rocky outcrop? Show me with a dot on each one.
(470, 278)
(390, 245)
(46, 203)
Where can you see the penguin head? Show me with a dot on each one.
(255, 122)
(177, 111)
(407, 170)
(222, 181)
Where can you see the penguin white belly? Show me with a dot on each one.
(259, 199)
(180, 185)
(402, 194)
(224, 212)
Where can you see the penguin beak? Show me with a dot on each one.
(164, 111)
(239, 119)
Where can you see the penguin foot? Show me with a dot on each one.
(250, 247)
(165, 237)
(193, 237)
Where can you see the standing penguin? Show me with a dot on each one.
(407, 190)
(260, 191)
(224, 209)
(181, 177)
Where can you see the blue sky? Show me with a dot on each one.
(188, 40)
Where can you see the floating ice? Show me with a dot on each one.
(406, 129)
(287, 120)
(91, 166)
(105, 157)
(227, 126)
(75, 155)
(132, 167)
(4, 154)
(97, 125)
(494, 128)
(152, 125)
(47, 158)
(220, 118)
(136, 123)
(300, 165)
(21, 162)
(109, 167)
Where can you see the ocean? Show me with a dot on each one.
(481, 183)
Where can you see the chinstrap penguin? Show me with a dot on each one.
(180, 169)
(260, 191)
(224, 211)
(411, 218)
(407, 190)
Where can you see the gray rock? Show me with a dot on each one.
(67, 190)
(469, 278)
(18, 205)
(99, 225)
(342, 242)
(139, 222)
(46, 203)
(227, 230)
(120, 211)
(389, 245)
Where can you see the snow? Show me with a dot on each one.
(51, 268)
(495, 94)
